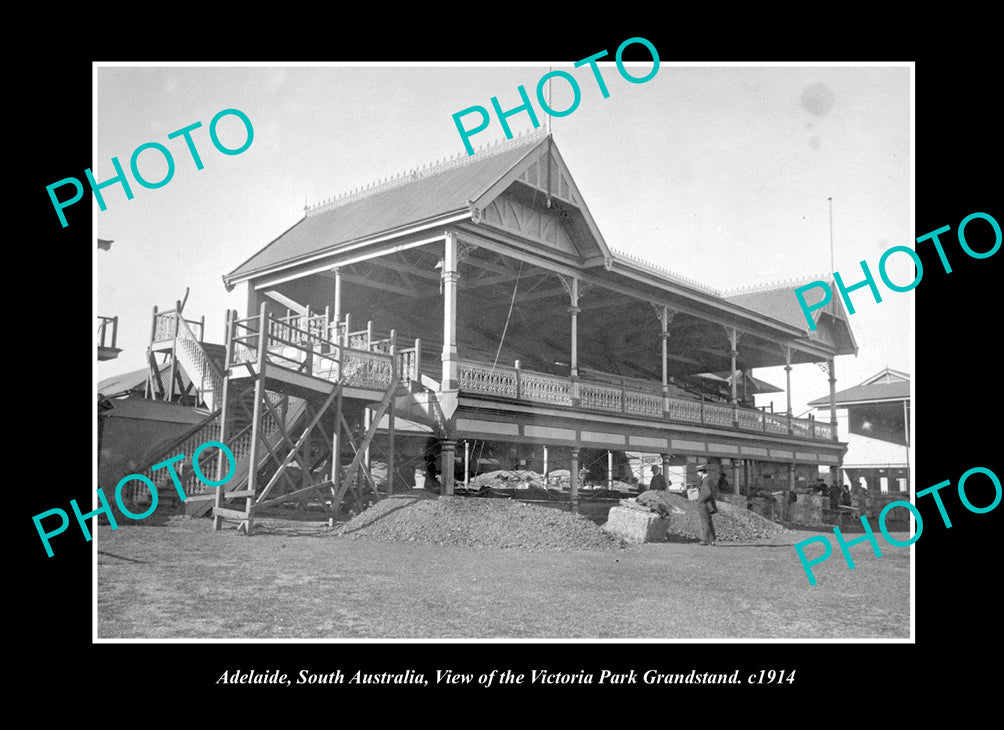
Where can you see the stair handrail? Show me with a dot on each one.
(215, 374)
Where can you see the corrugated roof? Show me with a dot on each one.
(782, 304)
(874, 392)
(422, 195)
(126, 382)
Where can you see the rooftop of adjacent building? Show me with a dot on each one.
(885, 386)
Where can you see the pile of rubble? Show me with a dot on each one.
(732, 523)
(477, 523)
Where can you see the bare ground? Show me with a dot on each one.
(300, 580)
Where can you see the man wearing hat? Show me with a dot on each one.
(706, 504)
(658, 482)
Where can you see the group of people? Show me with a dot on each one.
(838, 493)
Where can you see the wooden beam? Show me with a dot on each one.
(382, 286)
(360, 452)
(286, 301)
(295, 450)
(291, 496)
(233, 514)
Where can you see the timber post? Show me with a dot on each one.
(450, 278)
(787, 375)
(573, 479)
(222, 465)
(449, 447)
(256, 434)
(395, 377)
(833, 396)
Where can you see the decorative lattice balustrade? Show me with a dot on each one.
(520, 384)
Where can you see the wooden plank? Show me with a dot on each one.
(192, 498)
(233, 514)
(279, 423)
(291, 496)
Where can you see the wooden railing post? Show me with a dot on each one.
(623, 396)
(519, 385)
(702, 408)
(395, 381)
(418, 359)
(153, 327)
(115, 330)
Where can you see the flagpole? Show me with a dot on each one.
(832, 269)
(547, 120)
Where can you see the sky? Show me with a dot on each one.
(719, 173)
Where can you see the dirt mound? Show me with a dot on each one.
(487, 523)
(731, 525)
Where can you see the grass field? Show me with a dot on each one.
(179, 579)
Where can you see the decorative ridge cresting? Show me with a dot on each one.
(655, 268)
(459, 160)
(785, 284)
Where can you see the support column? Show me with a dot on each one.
(449, 447)
(338, 299)
(336, 460)
(450, 277)
(259, 396)
(222, 465)
(367, 463)
(733, 341)
(787, 375)
(833, 397)
(390, 452)
(169, 390)
(665, 315)
(610, 469)
(395, 379)
(571, 285)
(788, 491)
(736, 468)
(573, 474)
(545, 463)
(467, 462)
(665, 467)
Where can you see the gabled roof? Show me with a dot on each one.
(896, 389)
(781, 303)
(887, 375)
(448, 189)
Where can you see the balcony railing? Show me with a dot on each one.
(519, 384)
(165, 325)
(300, 343)
(108, 331)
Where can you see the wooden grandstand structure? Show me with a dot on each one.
(528, 331)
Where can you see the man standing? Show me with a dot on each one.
(706, 505)
(658, 482)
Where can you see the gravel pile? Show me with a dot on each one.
(731, 525)
(487, 523)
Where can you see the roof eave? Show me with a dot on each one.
(230, 280)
